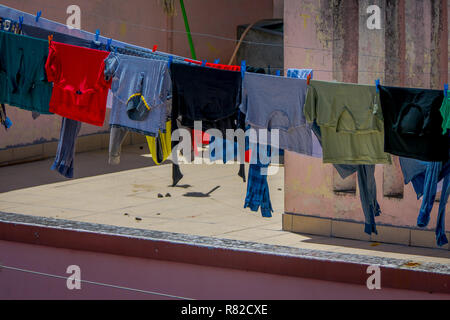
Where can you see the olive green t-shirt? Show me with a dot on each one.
(351, 122)
(23, 82)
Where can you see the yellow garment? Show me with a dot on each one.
(166, 144)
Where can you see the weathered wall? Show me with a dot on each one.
(139, 23)
(332, 37)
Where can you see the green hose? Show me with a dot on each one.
(188, 30)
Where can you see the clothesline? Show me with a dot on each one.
(253, 43)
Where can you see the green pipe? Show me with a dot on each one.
(188, 30)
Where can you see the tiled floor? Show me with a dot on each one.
(127, 195)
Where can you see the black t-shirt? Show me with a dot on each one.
(412, 123)
(205, 94)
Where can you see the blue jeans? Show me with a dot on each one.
(425, 176)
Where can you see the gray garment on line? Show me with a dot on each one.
(272, 102)
(149, 77)
(118, 134)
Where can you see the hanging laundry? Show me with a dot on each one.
(271, 102)
(66, 147)
(424, 177)
(258, 195)
(350, 121)
(367, 186)
(299, 73)
(205, 94)
(140, 89)
(80, 89)
(413, 123)
(161, 146)
(10, 26)
(23, 82)
(445, 113)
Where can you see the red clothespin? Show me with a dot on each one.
(155, 47)
(50, 39)
(308, 79)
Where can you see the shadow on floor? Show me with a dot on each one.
(86, 164)
(376, 246)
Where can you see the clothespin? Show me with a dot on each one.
(217, 61)
(115, 49)
(20, 22)
(97, 35)
(278, 73)
(155, 47)
(50, 39)
(243, 68)
(377, 84)
(38, 14)
(108, 45)
(203, 63)
(170, 61)
(446, 89)
(308, 79)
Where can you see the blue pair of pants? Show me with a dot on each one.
(424, 177)
(66, 147)
(429, 195)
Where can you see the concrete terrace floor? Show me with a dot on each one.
(127, 195)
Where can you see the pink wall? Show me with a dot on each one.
(138, 24)
(179, 279)
(310, 27)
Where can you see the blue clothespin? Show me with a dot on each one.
(278, 73)
(97, 34)
(8, 123)
(38, 14)
(115, 50)
(243, 68)
(216, 61)
(203, 63)
(20, 22)
(170, 61)
(446, 89)
(108, 45)
(377, 85)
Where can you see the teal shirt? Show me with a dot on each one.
(445, 112)
(23, 82)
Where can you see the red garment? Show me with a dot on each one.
(79, 87)
(216, 65)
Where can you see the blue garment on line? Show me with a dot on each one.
(299, 73)
(66, 147)
(367, 187)
(424, 177)
(257, 186)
